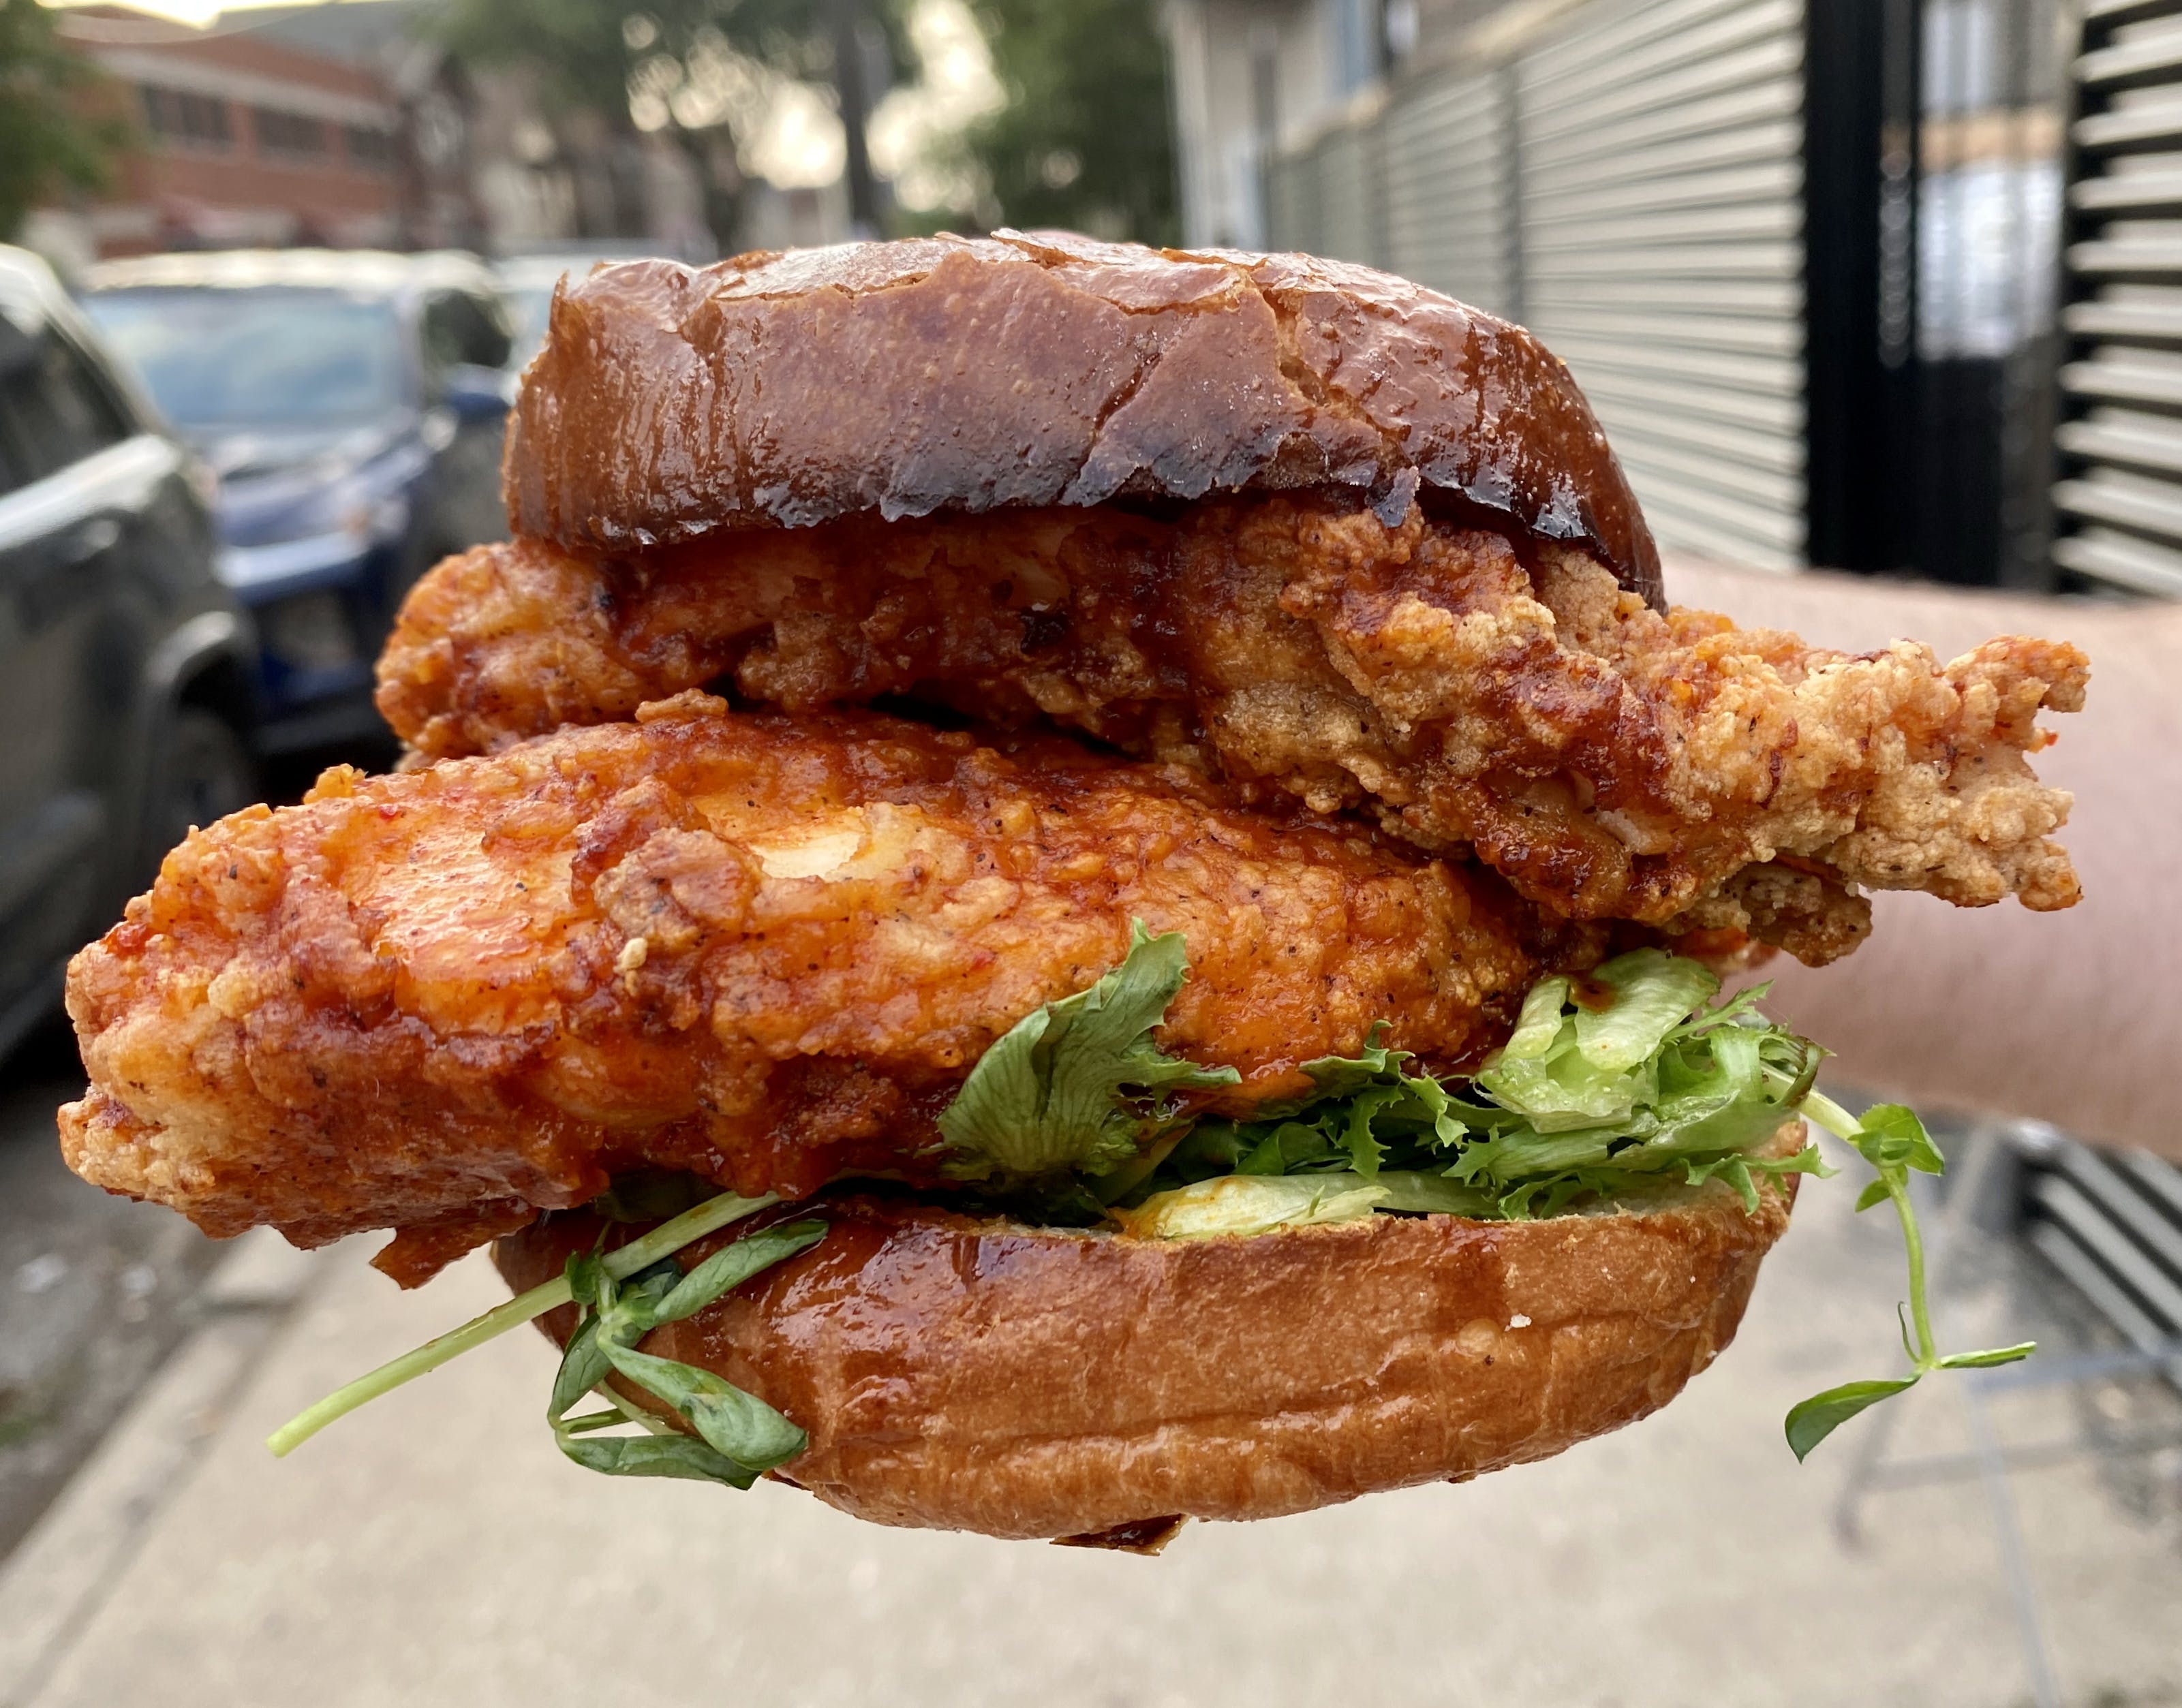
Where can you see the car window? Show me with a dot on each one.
(462, 328)
(55, 408)
(259, 358)
(529, 307)
(496, 333)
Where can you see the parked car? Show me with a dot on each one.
(352, 406)
(125, 664)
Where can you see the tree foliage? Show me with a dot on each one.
(1086, 140)
(54, 133)
(595, 55)
(587, 53)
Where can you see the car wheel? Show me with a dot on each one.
(202, 771)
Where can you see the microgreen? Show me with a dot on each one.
(667, 1238)
(739, 1437)
(1893, 1140)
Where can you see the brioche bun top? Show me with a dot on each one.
(950, 374)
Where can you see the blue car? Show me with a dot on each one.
(351, 405)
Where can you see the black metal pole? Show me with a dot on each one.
(1859, 278)
(846, 21)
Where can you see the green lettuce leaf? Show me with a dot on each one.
(1653, 993)
(1743, 1173)
(1590, 1058)
(1527, 1137)
(1078, 1084)
(1538, 1026)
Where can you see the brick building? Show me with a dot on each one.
(343, 123)
(245, 141)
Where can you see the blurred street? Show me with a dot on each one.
(434, 1547)
(95, 1292)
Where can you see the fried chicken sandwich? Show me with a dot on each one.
(1055, 886)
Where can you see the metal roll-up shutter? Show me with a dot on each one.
(1660, 155)
(2112, 1224)
(1348, 186)
(1294, 202)
(1446, 192)
(1323, 198)
(2120, 496)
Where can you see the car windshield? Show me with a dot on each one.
(258, 357)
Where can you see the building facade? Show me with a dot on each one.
(244, 141)
(346, 123)
(1804, 258)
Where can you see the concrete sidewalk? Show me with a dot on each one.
(435, 1548)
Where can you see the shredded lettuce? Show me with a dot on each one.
(1622, 1083)
(1649, 994)
(1078, 1084)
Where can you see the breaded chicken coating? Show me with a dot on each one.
(1610, 762)
(763, 950)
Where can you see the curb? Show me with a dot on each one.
(68, 1564)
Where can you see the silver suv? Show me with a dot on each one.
(125, 667)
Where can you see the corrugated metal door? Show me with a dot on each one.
(1447, 189)
(1325, 198)
(1294, 201)
(2121, 443)
(1660, 189)
(1347, 192)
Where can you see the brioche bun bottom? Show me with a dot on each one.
(966, 1373)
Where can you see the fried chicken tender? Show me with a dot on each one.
(1611, 762)
(763, 950)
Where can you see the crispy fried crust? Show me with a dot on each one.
(975, 1375)
(1609, 762)
(761, 949)
(951, 374)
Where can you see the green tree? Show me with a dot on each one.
(1086, 140)
(598, 55)
(52, 134)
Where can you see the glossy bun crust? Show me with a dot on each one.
(979, 1375)
(950, 374)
